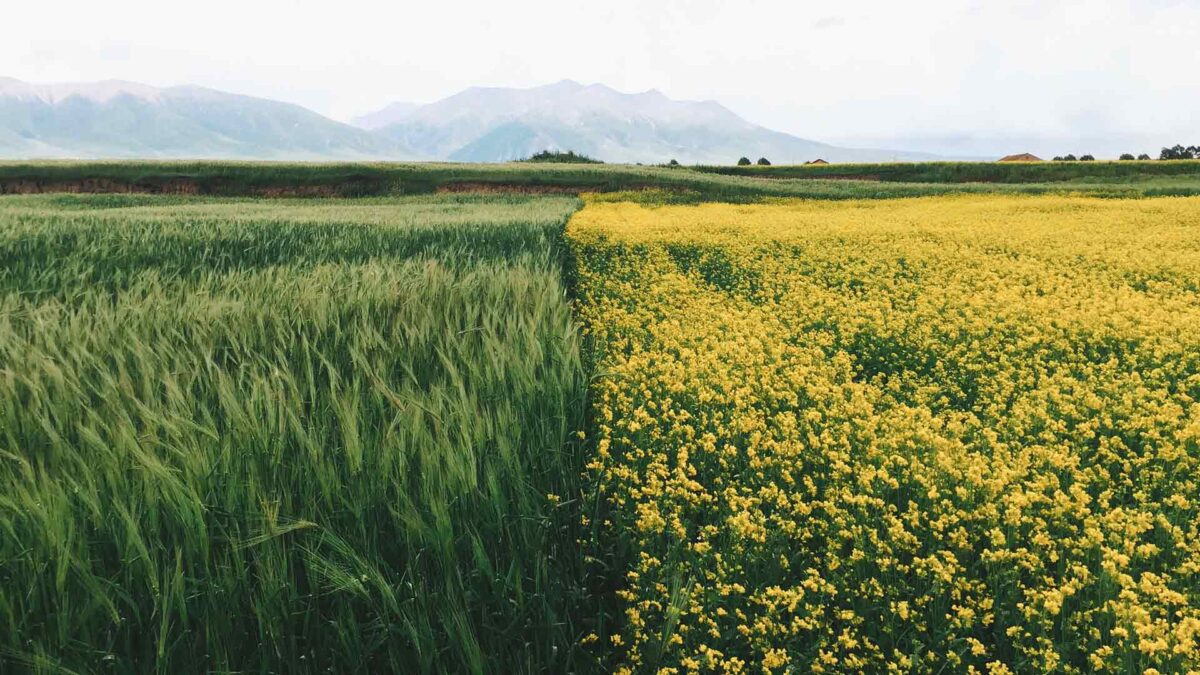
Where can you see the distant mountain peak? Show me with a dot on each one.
(391, 113)
(119, 119)
(97, 92)
(503, 123)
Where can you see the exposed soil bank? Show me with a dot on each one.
(180, 186)
(105, 185)
(191, 187)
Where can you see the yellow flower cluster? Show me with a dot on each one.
(955, 434)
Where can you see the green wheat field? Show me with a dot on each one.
(286, 436)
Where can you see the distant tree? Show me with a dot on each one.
(1057, 158)
(763, 161)
(559, 157)
(1086, 158)
(1127, 157)
(1178, 152)
(1143, 157)
(1070, 158)
(672, 163)
(745, 161)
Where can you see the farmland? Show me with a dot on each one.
(976, 172)
(459, 418)
(691, 184)
(285, 436)
(937, 434)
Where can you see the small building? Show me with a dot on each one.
(1023, 157)
(816, 161)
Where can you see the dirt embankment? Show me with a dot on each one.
(178, 186)
(97, 185)
(186, 186)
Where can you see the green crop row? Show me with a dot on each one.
(736, 184)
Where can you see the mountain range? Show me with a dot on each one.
(117, 119)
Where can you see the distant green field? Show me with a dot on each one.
(836, 181)
(287, 436)
(968, 172)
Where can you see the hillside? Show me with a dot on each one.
(115, 119)
(491, 124)
(389, 114)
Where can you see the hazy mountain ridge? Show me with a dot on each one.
(115, 119)
(118, 119)
(389, 114)
(484, 124)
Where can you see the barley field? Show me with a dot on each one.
(287, 436)
(950, 434)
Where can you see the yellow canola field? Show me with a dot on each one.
(932, 435)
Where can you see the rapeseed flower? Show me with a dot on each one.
(954, 433)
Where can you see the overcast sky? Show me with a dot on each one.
(938, 73)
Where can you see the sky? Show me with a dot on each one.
(952, 76)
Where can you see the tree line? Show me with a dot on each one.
(1175, 152)
(1180, 152)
